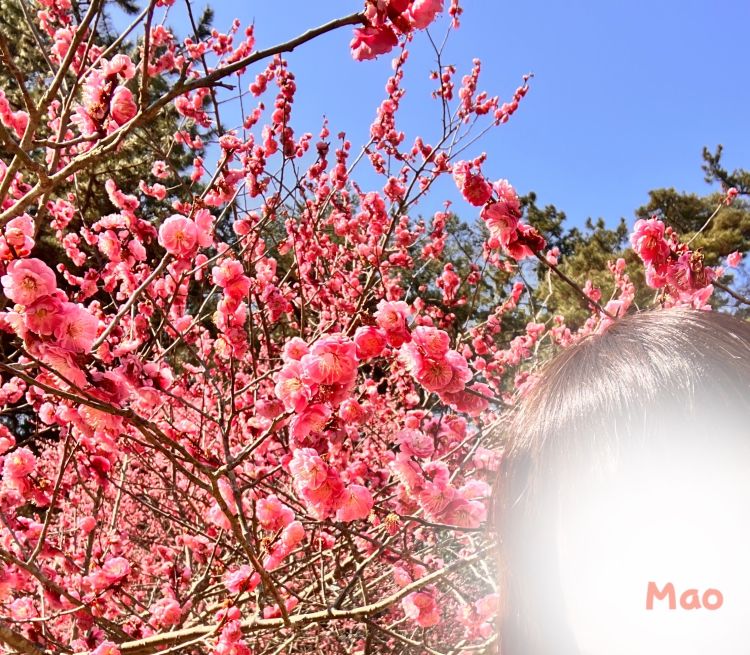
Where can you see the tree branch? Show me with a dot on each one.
(152, 644)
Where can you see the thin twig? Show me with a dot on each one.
(573, 285)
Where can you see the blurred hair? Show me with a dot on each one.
(598, 402)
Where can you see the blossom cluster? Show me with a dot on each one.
(316, 386)
(53, 329)
(389, 19)
(501, 211)
(249, 394)
(670, 264)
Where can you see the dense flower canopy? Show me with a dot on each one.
(245, 420)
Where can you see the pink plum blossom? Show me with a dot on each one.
(44, 314)
(178, 235)
(87, 524)
(420, 607)
(331, 360)
(370, 342)
(64, 362)
(243, 578)
(432, 365)
(432, 374)
(434, 497)
(474, 400)
(416, 443)
(322, 501)
(734, 259)
(648, 241)
(165, 612)
(501, 220)
(408, 472)
(355, 503)
(351, 411)
(18, 464)
(431, 342)
(369, 42)
(475, 189)
(17, 238)
(77, 328)
(106, 648)
(7, 440)
(123, 107)
(230, 276)
(28, 279)
(313, 370)
(272, 514)
(294, 349)
(423, 12)
(204, 224)
(392, 317)
(292, 534)
(308, 468)
(120, 65)
(292, 388)
(507, 197)
(524, 242)
(465, 513)
(115, 569)
(311, 420)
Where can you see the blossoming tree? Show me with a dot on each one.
(232, 423)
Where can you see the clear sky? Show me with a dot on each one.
(625, 94)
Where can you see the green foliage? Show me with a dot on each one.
(715, 172)
(585, 253)
(688, 213)
(136, 155)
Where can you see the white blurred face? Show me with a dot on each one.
(655, 559)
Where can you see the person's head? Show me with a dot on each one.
(627, 474)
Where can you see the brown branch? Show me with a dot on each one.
(734, 294)
(8, 60)
(705, 225)
(69, 55)
(152, 644)
(34, 118)
(288, 46)
(126, 307)
(573, 285)
(423, 648)
(240, 532)
(111, 142)
(152, 433)
(146, 55)
(109, 626)
(10, 143)
(18, 641)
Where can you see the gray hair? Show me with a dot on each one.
(592, 406)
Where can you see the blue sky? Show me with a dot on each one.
(625, 94)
